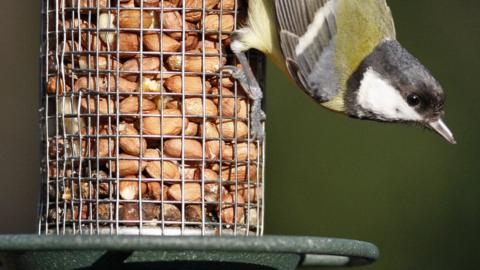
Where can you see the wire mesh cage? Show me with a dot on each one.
(142, 131)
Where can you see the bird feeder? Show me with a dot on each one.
(144, 136)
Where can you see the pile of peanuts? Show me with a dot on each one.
(151, 132)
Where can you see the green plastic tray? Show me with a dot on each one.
(153, 252)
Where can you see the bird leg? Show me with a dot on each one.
(249, 83)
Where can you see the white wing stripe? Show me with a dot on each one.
(319, 20)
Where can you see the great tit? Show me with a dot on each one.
(344, 54)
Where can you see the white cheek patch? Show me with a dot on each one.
(378, 96)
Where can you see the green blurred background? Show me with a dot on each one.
(403, 188)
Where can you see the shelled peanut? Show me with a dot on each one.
(160, 120)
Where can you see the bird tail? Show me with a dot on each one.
(261, 31)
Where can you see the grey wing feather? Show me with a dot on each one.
(307, 32)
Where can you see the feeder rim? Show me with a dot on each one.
(308, 247)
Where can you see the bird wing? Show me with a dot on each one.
(307, 30)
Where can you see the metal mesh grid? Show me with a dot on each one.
(142, 132)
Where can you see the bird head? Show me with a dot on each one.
(391, 85)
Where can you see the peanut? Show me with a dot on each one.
(189, 172)
(151, 211)
(104, 105)
(206, 174)
(192, 39)
(212, 23)
(129, 212)
(227, 4)
(155, 191)
(161, 169)
(228, 104)
(226, 82)
(193, 213)
(250, 193)
(71, 49)
(106, 146)
(240, 152)
(195, 63)
(192, 129)
(241, 173)
(129, 190)
(104, 63)
(213, 142)
(194, 108)
(132, 19)
(169, 124)
(131, 68)
(243, 109)
(192, 148)
(233, 129)
(104, 212)
(196, 16)
(104, 84)
(232, 210)
(170, 213)
(84, 4)
(129, 42)
(191, 192)
(53, 88)
(172, 20)
(127, 3)
(147, 3)
(128, 165)
(131, 105)
(130, 140)
(192, 85)
(153, 41)
(212, 190)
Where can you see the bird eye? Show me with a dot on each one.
(413, 100)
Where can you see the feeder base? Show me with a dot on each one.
(189, 252)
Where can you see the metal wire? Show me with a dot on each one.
(104, 89)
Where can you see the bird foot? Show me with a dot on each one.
(250, 85)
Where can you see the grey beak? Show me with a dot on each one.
(441, 128)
